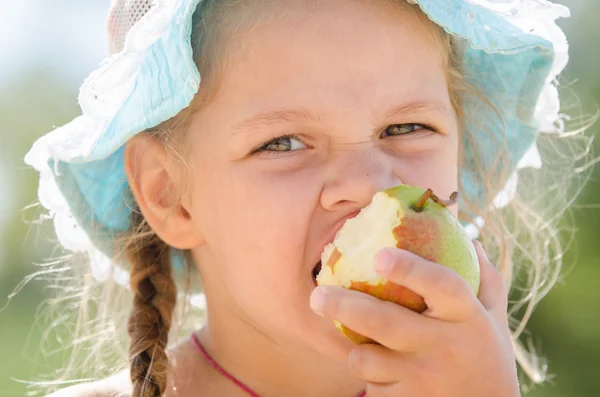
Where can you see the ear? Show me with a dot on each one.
(157, 185)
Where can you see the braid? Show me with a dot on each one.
(153, 305)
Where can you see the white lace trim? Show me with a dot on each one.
(537, 17)
(106, 89)
(101, 96)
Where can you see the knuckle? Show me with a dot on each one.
(373, 320)
(449, 283)
(406, 268)
(411, 263)
(383, 320)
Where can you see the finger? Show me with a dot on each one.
(492, 290)
(389, 324)
(446, 293)
(376, 364)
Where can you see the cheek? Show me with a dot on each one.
(435, 168)
(255, 223)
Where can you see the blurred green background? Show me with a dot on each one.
(47, 48)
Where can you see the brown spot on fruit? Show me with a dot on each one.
(420, 235)
(335, 256)
(392, 292)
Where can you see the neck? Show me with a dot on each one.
(269, 366)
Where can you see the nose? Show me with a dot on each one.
(354, 176)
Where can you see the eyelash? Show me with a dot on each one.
(421, 128)
(263, 147)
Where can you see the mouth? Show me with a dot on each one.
(316, 271)
(329, 239)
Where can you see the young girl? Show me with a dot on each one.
(229, 140)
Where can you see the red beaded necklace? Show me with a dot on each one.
(226, 374)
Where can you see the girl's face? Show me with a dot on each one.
(314, 115)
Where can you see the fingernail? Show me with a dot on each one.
(317, 300)
(383, 262)
(479, 248)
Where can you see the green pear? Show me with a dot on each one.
(405, 217)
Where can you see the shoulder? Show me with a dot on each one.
(115, 386)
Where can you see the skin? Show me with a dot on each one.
(257, 221)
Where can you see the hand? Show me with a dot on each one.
(459, 347)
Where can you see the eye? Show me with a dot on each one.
(403, 129)
(285, 143)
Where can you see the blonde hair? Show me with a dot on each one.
(522, 239)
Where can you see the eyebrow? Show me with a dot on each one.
(277, 116)
(301, 114)
(420, 106)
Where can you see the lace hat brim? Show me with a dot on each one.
(513, 52)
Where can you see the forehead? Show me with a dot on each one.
(348, 54)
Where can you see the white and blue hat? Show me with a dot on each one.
(513, 53)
